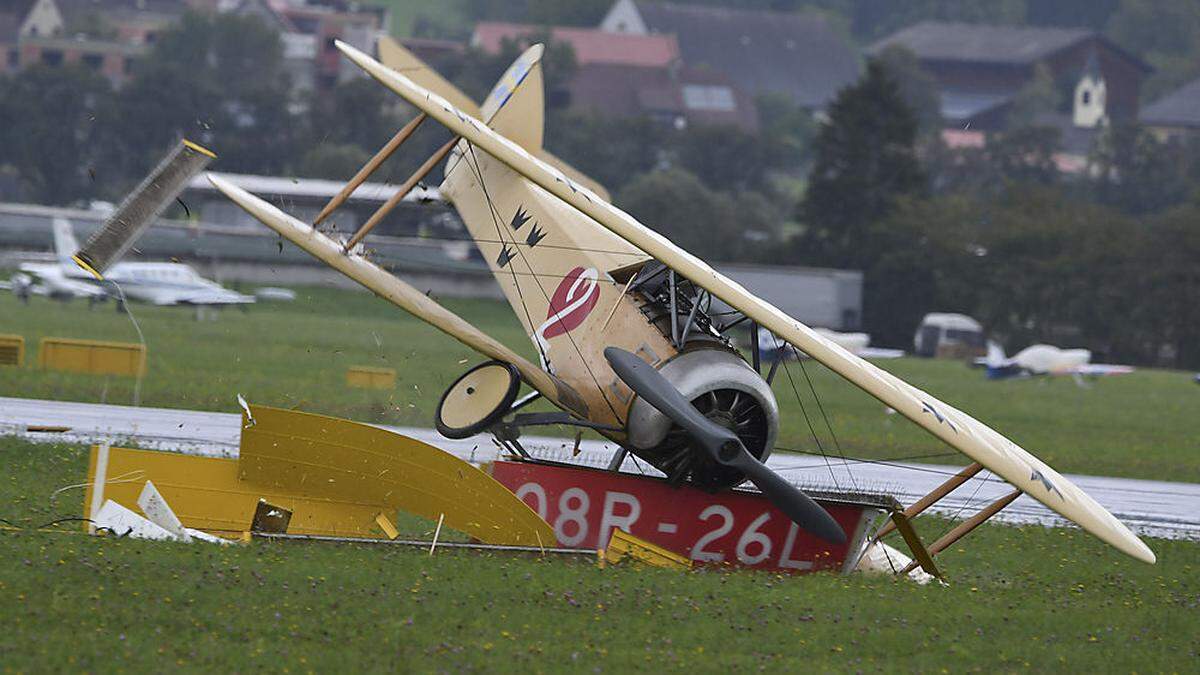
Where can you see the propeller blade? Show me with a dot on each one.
(722, 444)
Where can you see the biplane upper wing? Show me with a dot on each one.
(953, 426)
(395, 56)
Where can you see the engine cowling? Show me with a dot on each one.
(726, 389)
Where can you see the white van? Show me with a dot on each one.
(944, 335)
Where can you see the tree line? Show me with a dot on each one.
(1105, 259)
(1108, 259)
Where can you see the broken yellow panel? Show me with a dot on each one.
(386, 525)
(206, 494)
(12, 350)
(364, 377)
(624, 545)
(92, 356)
(336, 459)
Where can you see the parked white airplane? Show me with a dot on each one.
(855, 343)
(157, 283)
(1042, 359)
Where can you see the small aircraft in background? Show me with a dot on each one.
(858, 344)
(156, 283)
(1043, 360)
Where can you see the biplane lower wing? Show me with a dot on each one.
(399, 293)
(956, 428)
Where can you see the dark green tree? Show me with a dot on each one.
(724, 157)
(1170, 283)
(918, 88)
(713, 225)
(787, 131)
(611, 150)
(358, 111)
(54, 119)
(1166, 34)
(332, 161)
(1038, 97)
(568, 12)
(1136, 173)
(865, 160)
(218, 80)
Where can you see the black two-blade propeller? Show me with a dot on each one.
(722, 444)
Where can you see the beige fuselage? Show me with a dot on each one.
(555, 267)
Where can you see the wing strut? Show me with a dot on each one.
(933, 497)
(965, 527)
(369, 168)
(409, 184)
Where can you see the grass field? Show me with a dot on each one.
(1143, 425)
(1021, 599)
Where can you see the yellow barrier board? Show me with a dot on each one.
(12, 350)
(364, 377)
(342, 460)
(206, 494)
(92, 356)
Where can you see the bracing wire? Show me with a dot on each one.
(500, 233)
(893, 462)
(137, 383)
(804, 411)
(564, 247)
(474, 164)
(836, 444)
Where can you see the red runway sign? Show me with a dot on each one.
(738, 528)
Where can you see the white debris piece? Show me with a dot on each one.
(161, 524)
(155, 507)
(879, 558)
(204, 536)
(125, 523)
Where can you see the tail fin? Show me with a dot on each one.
(394, 55)
(995, 355)
(516, 106)
(65, 244)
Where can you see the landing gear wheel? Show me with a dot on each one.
(477, 400)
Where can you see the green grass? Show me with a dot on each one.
(295, 355)
(290, 354)
(1021, 599)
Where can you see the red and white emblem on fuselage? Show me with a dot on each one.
(570, 305)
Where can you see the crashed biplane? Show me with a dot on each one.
(618, 316)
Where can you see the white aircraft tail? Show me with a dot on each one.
(995, 355)
(65, 244)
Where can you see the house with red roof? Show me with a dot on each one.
(630, 75)
(800, 55)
